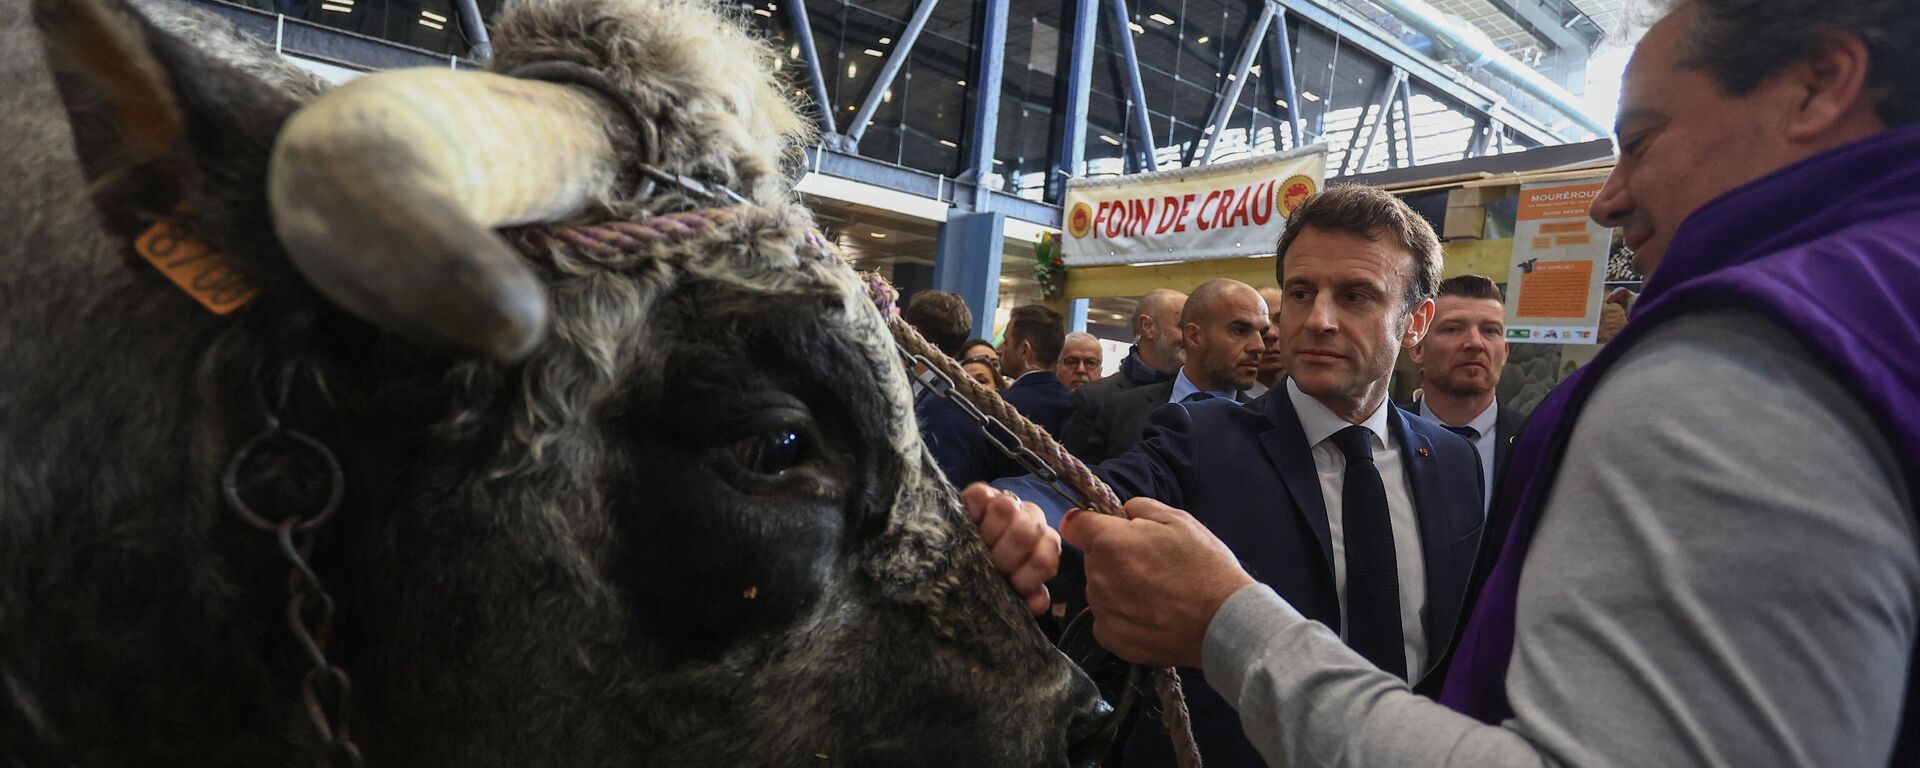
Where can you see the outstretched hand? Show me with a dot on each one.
(1154, 581)
(1019, 541)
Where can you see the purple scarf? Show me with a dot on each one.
(1829, 248)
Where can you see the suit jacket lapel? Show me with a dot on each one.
(1438, 529)
(1287, 449)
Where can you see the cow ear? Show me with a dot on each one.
(160, 120)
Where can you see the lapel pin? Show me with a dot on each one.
(1424, 452)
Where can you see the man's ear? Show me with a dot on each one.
(1418, 320)
(159, 122)
(1831, 81)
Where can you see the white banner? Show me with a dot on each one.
(1559, 265)
(1204, 212)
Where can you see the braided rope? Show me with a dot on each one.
(618, 243)
(1075, 474)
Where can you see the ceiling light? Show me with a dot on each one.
(945, 143)
(1137, 29)
(1230, 77)
(434, 16)
(1202, 40)
(873, 53)
(432, 25)
(887, 96)
(335, 8)
(886, 41)
(1281, 103)
(1309, 96)
(1162, 19)
(853, 70)
(1109, 139)
(763, 12)
(962, 83)
(880, 235)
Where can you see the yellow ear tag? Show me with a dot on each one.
(203, 273)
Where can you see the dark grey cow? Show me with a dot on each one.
(666, 510)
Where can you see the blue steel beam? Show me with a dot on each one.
(1236, 79)
(1477, 144)
(896, 59)
(1382, 107)
(1283, 53)
(1406, 115)
(1142, 130)
(1073, 157)
(986, 100)
(810, 58)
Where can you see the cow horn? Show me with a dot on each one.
(386, 190)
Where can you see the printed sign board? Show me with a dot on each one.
(1558, 265)
(1204, 212)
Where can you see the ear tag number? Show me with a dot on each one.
(203, 273)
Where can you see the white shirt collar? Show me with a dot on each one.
(1319, 421)
(1183, 386)
(1482, 424)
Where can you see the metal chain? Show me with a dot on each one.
(325, 691)
(998, 434)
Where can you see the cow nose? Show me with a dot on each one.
(1092, 726)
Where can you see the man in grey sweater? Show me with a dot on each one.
(1711, 559)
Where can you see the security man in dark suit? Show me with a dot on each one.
(1460, 362)
(1364, 516)
(955, 440)
(1028, 351)
(1154, 359)
(1222, 356)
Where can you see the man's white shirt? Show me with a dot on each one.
(1319, 422)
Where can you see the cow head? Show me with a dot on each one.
(669, 509)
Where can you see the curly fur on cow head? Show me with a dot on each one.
(689, 67)
(694, 526)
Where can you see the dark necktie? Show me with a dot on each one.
(1197, 397)
(1373, 577)
(1469, 433)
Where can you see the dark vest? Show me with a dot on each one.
(1828, 248)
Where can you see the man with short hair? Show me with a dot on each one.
(1080, 360)
(1364, 515)
(1273, 361)
(1155, 358)
(955, 441)
(1220, 326)
(1707, 534)
(1028, 350)
(1460, 362)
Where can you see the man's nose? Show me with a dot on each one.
(1612, 206)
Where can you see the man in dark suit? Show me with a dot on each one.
(955, 440)
(1460, 362)
(1220, 328)
(1028, 351)
(1155, 358)
(1365, 517)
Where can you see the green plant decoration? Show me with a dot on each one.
(1048, 269)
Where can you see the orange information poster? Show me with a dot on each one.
(1559, 256)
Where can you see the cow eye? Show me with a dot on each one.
(770, 452)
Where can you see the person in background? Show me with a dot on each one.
(1080, 360)
(1460, 362)
(1028, 351)
(981, 348)
(1707, 536)
(1221, 326)
(1273, 362)
(982, 369)
(1155, 358)
(956, 442)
